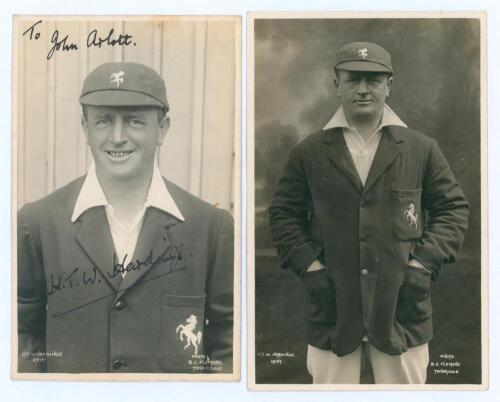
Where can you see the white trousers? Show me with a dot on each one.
(408, 368)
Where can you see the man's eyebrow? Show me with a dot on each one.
(134, 113)
(104, 113)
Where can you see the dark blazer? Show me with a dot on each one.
(75, 310)
(365, 236)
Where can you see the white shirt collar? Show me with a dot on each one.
(91, 195)
(389, 118)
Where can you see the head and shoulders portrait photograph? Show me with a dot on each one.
(126, 198)
(367, 183)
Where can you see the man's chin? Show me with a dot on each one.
(365, 112)
(118, 172)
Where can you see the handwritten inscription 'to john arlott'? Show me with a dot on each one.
(61, 42)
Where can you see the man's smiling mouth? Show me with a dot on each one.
(119, 154)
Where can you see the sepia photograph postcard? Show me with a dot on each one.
(126, 195)
(367, 201)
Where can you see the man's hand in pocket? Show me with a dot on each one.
(416, 263)
(315, 266)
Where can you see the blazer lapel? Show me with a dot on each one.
(153, 241)
(386, 154)
(95, 239)
(341, 157)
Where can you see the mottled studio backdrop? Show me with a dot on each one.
(436, 91)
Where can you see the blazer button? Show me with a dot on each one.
(118, 364)
(119, 305)
(364, 272)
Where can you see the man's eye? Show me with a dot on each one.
(103, 122)
(136, 123)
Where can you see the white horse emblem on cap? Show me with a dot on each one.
(411, 216)
(116, 78)
(188, 331)
(363, 53)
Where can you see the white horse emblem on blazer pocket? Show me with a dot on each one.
(187, 331)
(411, 216)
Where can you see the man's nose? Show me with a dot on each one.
(118, 135)
(363, 86)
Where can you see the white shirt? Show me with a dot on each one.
(124, 236)
(362, 151)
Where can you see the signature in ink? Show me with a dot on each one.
(171, 255)
(76, 278)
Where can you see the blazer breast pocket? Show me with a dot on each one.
(181, 334)
(407, 214)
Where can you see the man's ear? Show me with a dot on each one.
(336, 84)
(164, 126)
(85, 127)
(388, 86)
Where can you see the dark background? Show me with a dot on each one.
(436, 90)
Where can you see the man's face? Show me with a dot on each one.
(362, 93)
(123, 140)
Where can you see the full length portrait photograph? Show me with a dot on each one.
(366, 187)
(126, 198)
